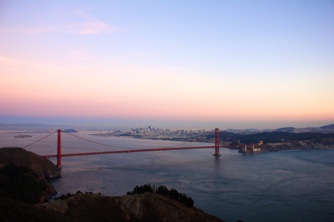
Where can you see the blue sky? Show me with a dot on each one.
(168, 61)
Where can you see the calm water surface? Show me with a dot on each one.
(275, 186)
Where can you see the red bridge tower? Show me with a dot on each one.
(217, 142)
(59, 149)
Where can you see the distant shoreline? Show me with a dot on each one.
(327, 143)
(22, 136)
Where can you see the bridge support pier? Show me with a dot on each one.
(59, 150)
(217, 143)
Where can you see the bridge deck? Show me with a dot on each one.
(131, 151)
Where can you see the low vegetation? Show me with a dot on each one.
(164, 191)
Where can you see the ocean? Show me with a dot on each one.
(273, 186)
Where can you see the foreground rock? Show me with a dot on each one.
(17, 211)
(138, 207)
(94, 207)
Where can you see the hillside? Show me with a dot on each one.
(138, 207)
(279, 140)
(43, 167)
(24, 175)
(273, 137)
(95, 207)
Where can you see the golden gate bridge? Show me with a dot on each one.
(59, 155)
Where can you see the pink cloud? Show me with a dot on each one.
(77, 21)
(87, 24)
(83, 28)
(86, 28)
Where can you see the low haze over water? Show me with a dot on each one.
(273, 186)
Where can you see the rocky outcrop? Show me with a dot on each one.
(294, 145)
(138, 207)
(43, 167)
(17, 211)
(94, 207)
(24, 176)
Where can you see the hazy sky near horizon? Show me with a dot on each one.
(168, 60)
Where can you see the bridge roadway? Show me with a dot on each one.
(130, 151)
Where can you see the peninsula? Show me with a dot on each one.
(245, 140)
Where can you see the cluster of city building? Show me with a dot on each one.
(191, 135)
(166, 134)
(251, 148)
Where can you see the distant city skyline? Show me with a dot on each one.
(239, 64)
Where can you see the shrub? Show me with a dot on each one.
(164, 191)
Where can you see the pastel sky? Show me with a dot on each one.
(167, 61)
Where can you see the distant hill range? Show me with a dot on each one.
(328, 127)
(322, 129)
(281, 138)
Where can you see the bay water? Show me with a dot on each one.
(273, 186)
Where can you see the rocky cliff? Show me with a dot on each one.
(24, 176)
(43, 167)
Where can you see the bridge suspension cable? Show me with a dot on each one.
(59, 154)
(91, 141)
(39, 139)
(112, 146)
